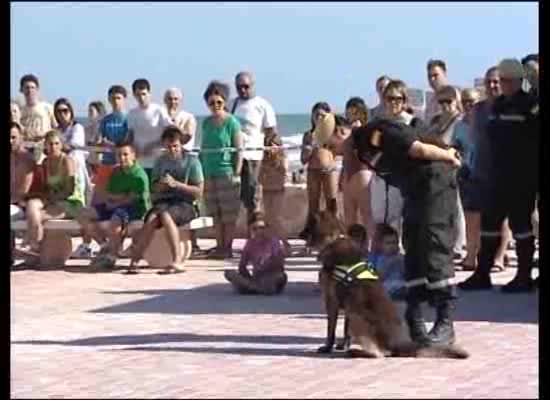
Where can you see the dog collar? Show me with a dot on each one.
(347, 274)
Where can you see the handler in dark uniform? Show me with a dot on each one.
(513, 132)
(426, 175)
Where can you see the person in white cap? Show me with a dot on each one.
(514, 133)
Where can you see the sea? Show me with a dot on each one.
(291, 127)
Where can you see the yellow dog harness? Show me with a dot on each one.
(347, 274)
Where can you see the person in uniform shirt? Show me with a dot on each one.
(513, 133)
(426, 175)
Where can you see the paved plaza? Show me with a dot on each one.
(78, 333)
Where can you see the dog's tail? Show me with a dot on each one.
(411, 349)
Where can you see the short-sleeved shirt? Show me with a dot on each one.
(37, 120)
(187, 124)
(187, 170)
(147, 124)
(113, 127)
(215, 137)
(255, 115)
(258, 251)
(132, 180)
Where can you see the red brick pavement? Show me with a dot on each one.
(107, 335)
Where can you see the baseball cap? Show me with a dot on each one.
(511, 68)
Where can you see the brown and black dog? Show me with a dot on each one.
(374, 321)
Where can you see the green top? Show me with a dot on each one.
(132, 180)
(215, 137)
(56, 184)
(186, 169)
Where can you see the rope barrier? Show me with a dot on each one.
(103, 149)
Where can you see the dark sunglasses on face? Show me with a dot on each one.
(468, 102)
(215, 103)
(395, 98)
(63, 110)
(243, 87)
(445, 101)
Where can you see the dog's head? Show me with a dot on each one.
(324, 228)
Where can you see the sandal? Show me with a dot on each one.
(174, 268)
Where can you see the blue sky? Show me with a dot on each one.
(300, 52)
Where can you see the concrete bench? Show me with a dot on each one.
(56, 247)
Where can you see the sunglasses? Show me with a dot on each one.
(395, 98)
(63, 110)
(445, 101)
(468, 101)
(243, 87)
(215, 103)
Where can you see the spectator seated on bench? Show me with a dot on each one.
(127, 199)
(21, 172)
(265, 253)
(177, 181)
(61, 195)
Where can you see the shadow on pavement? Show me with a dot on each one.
(219, 298)
(304, 299)
(175, 337)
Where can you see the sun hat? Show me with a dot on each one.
(326, 123)
(511, 68)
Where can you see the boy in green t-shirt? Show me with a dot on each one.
(127, 199)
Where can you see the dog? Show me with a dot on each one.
(372, 319)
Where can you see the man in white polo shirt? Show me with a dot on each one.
(146, 121)
(257, 119)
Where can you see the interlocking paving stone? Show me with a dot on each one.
(80, 334)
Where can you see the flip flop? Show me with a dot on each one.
(131, 272)
(498, 268)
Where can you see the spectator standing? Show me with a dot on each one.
(222, 169)
(96, 112)
(37, 116)
(381, 84)
(355, 176)
(463, 141)
(319, 153)
(513, 133)
(184, 120)
(257, 119)
(177, 181)
(272, 177)
(437, 78)
(15, 112)
(146, 121)
(481, 165)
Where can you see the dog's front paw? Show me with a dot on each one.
(324, 349)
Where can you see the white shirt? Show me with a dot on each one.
(188, 124)
(37, 119)
(147, 124)
(254, 114)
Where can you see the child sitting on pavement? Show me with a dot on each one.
(264, 251)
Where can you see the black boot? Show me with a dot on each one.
(415, 322)
(481, 278)
(443, 332)
(522, 282)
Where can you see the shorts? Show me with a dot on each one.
(180, 211)
(102, 175)
(124, 214)
(471, 195)
(71, 208)
(222, 199)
